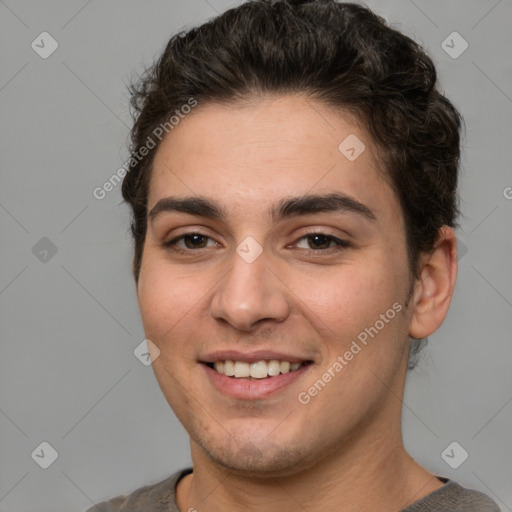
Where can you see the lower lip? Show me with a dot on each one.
(252, 389)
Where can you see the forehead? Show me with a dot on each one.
(248, 156)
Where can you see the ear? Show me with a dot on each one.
(433, 290)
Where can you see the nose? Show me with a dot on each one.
(249, 294)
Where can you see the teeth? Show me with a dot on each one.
(284, 366)
(241, 369)
(229, 368)
(273, 368)
(258, 370)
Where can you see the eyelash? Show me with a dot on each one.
(341, 244)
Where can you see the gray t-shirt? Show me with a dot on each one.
(161, 497)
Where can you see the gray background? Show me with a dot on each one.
(70, 321)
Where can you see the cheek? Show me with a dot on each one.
(350, 297)
(165, 301)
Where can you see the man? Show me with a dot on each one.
(293, 188)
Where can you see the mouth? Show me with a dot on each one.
(257, 370)
(254, 376)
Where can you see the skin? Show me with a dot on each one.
(276, 453)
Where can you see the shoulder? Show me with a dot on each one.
(452, 496)
(156, 497)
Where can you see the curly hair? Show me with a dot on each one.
(341, 54)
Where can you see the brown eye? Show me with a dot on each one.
(195, 241)
(188, 241)
(319, 241)
(322, 241)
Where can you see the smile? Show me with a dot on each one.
(254, 380)
(257, 370)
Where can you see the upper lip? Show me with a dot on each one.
(251, 357)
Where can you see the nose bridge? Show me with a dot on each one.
(250, 291)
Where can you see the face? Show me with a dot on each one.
(255, 272)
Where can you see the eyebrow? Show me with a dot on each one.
(285, 208)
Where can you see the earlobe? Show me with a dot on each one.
(434, 288)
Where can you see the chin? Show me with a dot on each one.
(259, 459)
